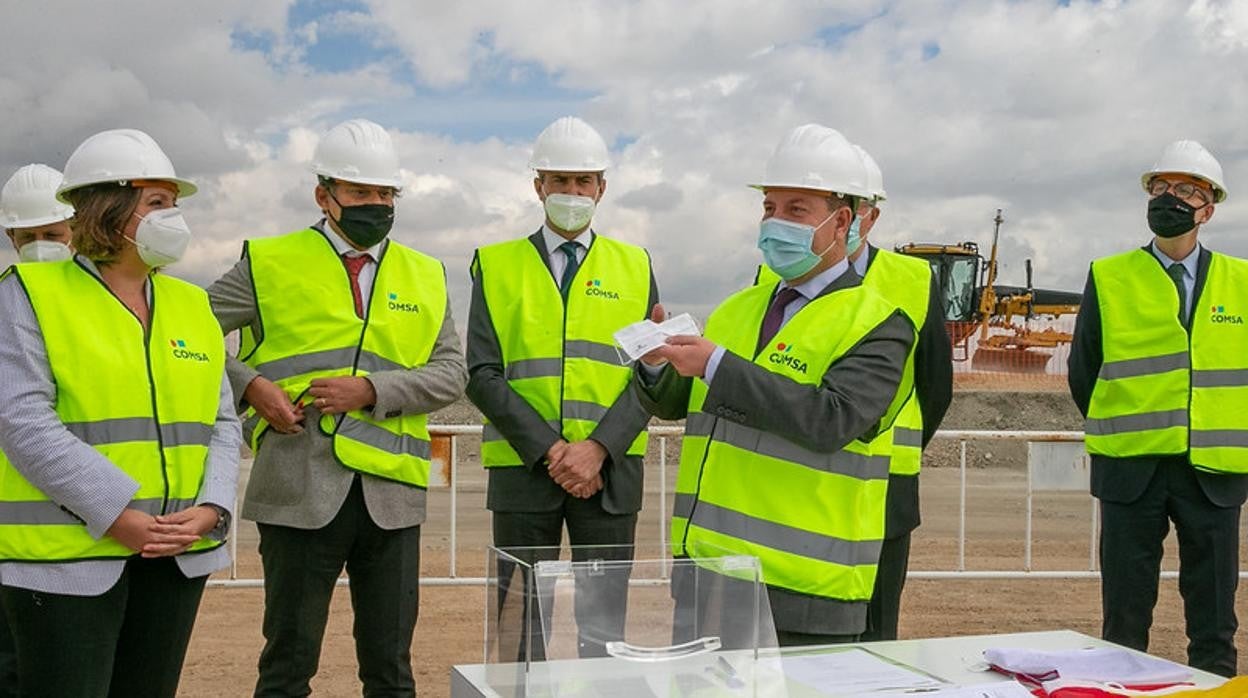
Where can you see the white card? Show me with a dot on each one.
(640, 338)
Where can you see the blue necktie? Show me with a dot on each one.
(569, 270)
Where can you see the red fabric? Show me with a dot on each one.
(1034, 685)
(354, 265)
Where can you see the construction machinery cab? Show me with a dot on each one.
(975, 304)
(956, 270)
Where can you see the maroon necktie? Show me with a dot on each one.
(354, 264)
(775, 316)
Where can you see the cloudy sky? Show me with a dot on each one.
(1048, 110)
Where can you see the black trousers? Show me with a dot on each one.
(600, 604)
(1131, 552)
(885, 608)
(128, 642)
(8, 659)
(301, 567)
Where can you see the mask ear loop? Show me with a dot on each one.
(834, 240)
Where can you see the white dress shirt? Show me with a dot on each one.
(558, 260)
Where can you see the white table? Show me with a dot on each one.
(957, 660)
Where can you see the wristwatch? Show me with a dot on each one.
(223, 522)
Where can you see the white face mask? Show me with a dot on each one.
(162, 237)
(570, 212)
(44, 251)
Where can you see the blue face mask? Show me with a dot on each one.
(854, 240)
(786, 246)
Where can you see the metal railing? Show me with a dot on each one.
(663, 433)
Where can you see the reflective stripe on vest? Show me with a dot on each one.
(564, 366)
(1156, 394)
(303, 297)
(147, 402)
(905, 282)
(816, 520)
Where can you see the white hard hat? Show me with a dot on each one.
(816, 157)
(120, 155)
(29, 200)
(1189, 158)
(359, 151)
(875, 178)
(569, 145)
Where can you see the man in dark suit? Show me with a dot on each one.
(785, 395)
(1157, 367)
(563, 439)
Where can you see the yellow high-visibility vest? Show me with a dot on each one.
(1162, 390)
(905, 282)
(561, 358)
(814, 520)
(310, 330)
(147, 402)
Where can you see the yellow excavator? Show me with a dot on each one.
(975, 304)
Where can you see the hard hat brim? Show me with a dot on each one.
(185, 186)
(807, 187)
(36, 222)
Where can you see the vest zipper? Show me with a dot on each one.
(151, 378)
(1191, 372)
(697, 489)
(151, 382)
(563, 335)
(368, 313)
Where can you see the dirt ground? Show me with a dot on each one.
(227, 638)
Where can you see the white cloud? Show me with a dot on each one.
(1048, 112)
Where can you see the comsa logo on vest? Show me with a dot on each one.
(1219, 316)
(181, 352)
(593, 287)
(395, 304)
(783, 357)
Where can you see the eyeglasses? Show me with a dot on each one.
(1183, 190)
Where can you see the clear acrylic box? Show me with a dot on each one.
(605, 621)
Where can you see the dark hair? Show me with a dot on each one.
(329, 183)
(100, 213)
(836, 201)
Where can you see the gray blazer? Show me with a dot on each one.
(296, 481)
(854, 393)
(530, 488)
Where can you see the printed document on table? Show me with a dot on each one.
(1001, 689)
(854, 671)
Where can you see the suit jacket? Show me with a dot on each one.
(1123, 480)
(530, 488)
(853, 395)
(296, 480)
(933, 388)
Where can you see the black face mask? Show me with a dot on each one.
(365, 224)
(1169, 216)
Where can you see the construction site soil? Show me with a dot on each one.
(227, 638)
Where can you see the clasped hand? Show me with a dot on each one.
(577, 466)
(336, 395)
(164, 535)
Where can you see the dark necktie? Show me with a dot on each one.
(354, 264)
(1176, 275)
(775, 316)
(569, 270)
